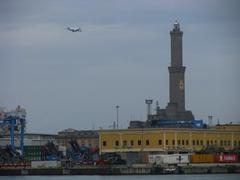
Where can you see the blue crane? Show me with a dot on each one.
(12, 121)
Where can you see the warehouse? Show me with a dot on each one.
(83, 137)
(167, 139)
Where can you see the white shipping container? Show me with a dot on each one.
(45, 164)
(168, 159)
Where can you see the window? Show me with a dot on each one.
(221, 143)
(211, 142)
(132, 142)
(104, 143)
(201, 142)
(124, 143)
(166, 142)
(193, 142)
(207, 142)
(229, 143)
(197, 142)
(139, 142)
(225, 143)
(183, 142)
(173, 142)
(159, 142)
(116, 143)
(235, 143)
(147, 142)
(187, 142)
(179, 142)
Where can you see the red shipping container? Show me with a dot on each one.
(226, 158)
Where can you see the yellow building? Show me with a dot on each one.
(167, 139)
(235, 127)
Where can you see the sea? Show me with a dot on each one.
(132, 177)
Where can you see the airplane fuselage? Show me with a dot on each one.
(74, 30)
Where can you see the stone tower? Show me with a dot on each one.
(176, 70)
(175, 109)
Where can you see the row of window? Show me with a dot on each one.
(139, 142)
(178, 142)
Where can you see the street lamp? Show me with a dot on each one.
(117, 108)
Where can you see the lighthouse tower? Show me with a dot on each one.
(176, 70)
(175, 114)
(176, 107)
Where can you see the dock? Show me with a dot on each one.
(141, 169)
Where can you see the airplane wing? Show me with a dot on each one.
(74, 30)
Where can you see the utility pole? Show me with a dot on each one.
(117, 108)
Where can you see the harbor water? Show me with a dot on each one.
(142, 177)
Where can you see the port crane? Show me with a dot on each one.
(13, 122)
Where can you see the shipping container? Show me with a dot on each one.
(226, 158)
(32, 158)
(45, 164)
(153, 158)
(168, 159)
(202, 158)
(32, 153)
(32, 150)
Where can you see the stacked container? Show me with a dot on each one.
(32, 153)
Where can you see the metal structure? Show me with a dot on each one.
(149, 106)
(163, 123)
(82, 154)
(13, 122)
(50, 152)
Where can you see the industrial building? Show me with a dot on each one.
(30, 139)
(167, 139)
(87, 138)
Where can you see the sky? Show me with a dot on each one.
(75, 80)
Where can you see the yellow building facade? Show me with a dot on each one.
(235, 127)
(167, 139)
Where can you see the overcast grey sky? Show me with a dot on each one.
(75, 80)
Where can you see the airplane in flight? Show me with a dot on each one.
(74, 29)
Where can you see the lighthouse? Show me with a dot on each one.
(175, 113)
(176, 70)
